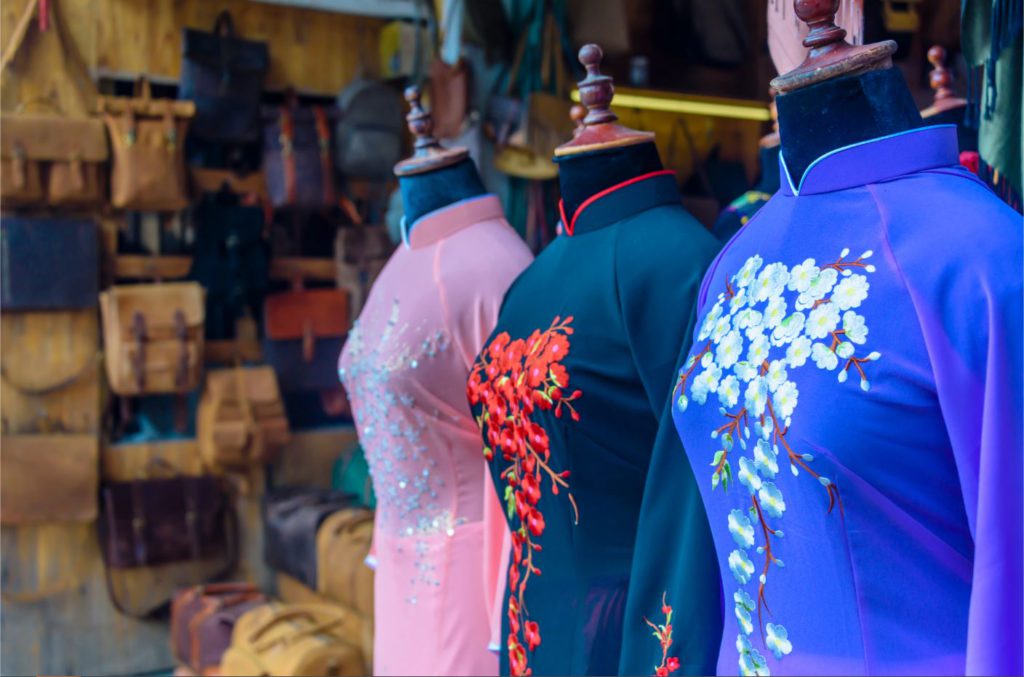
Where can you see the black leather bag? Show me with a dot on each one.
(297, 155)
(369, 136)
(231, 261)
(224, 75)
(291, 518)
(48, 263)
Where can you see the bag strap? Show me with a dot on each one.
(251, 429)
(323, 138)
(40, 391)
(224, 25)
(18, 36)
(287, 139)
(139, 360)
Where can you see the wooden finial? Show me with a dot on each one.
(829, 56)
(941, 80)
(428, 154)
(599, 129)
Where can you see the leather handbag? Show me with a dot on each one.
(315, 640)
(303, 336)
(241, 418)
(291, 519)
(342, 544)
(298, 156)
(48, 263)
(49, 478)
(202, 619)
(370, 132)
(231, 260)
(153, 337)
(360, 253)
(223, 74)
(147, 136)
(52, 158)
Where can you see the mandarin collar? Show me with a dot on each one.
(446, 221)
(622, 200)
(875, 160)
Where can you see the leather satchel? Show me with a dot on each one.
(48, 263)
(223, 74)
(303, 335)
(202, 619)
(241, 419)
(291, 519)
(360, 253)
(147, 135)
(153, 337)
(297, 155)
(315, 640)
(49, 478)
(342, 544)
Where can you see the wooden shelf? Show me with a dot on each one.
(141, 266)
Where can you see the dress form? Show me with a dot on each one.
(841, 94)
(434, 177)
(602, 153)
(947, 108)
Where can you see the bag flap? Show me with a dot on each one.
(260, 384)
(53, 138)
(290, 315)
(158, 304)
(48, 478)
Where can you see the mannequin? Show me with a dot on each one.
(947, 108)
(845, 94)
(434, 177)
(602, 153)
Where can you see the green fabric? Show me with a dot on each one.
(351, 474)
(991, 37)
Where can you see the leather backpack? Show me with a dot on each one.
(153, 337)
(148, 139)
(298, 156)
(342, 544)
(202, 619)
(370, 132)
(315, 640)
(303, 336)
(241, 418)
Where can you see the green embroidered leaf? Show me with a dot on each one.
(718, 457)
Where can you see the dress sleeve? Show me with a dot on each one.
(659, 267)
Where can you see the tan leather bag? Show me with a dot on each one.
(153, 337)
(49, 478)
(342, 544)
(304, 639)
(148, 138)
(51, 158)
(241, 419)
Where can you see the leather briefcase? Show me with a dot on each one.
(202, 619)
(297, 155)
(283, 640)
(49, 478)
(241, 419)
(291, 519)
(303, 335)
(224, 75)
(360, 253)
(48, 263)
(153, 337)
(342, 544)
(148, 138)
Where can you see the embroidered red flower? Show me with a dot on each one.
(663, 633)
(510, 381)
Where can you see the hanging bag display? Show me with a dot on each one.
(241, 419)
(298, 155)
(223, 74)
(280, 640)
(153, 337)
(51, 158)
(303, 335)
(49, 478)
(202, 619)
(342, 544)
(147, 135)
(370, 132)
(62, 252)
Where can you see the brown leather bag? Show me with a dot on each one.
(148, 138)
(49, 478)
(153, 337)
(342, 544)
(306, 639)
(202, 619)
(449, 97)
(51, 159)
(241, 418)
(304, 332)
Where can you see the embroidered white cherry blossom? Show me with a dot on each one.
(851, 292)
(798, 352)
(729, 391)
(777, 640)
(741, 529)
(801, 275)
(741, 566)
(855, 327)
(822, 321)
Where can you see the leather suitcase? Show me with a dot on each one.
(202, 619)
(342, 544)
(308, 639)
(48, 263)
(304, 334)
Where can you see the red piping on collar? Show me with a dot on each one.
(570, 226)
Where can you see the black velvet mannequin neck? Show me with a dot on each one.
(840, 112)
(430, 191)
(586, 174)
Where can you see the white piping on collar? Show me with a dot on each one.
(796, 190)
(404, 225)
